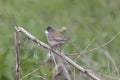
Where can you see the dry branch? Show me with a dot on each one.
(17, 43)
(61, 54)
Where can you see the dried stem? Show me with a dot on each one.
(98, 47)
(30, 73)
(17, 43)
(61, 54)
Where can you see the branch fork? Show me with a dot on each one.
(61, 54)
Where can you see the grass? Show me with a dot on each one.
(85, 20)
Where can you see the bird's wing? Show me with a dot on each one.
(59, 38)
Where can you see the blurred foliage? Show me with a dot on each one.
(85, 20)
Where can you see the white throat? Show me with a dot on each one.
(46, 32)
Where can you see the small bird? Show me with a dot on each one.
(54, 38)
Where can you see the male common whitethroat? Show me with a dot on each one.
(54, 38)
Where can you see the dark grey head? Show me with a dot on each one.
(50, 29)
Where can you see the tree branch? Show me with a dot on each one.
(61, 54)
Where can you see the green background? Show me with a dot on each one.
(86, 20)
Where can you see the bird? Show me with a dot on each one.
(55, 39)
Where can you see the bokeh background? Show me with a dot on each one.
(87, 21)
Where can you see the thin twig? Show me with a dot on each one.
(17, 43)
(61, 54)
(38, 76)
(81, 54)
(104, 43)
(96, 47)
(84, 50)
(30, 73)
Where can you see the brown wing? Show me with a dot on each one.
(59, 37)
